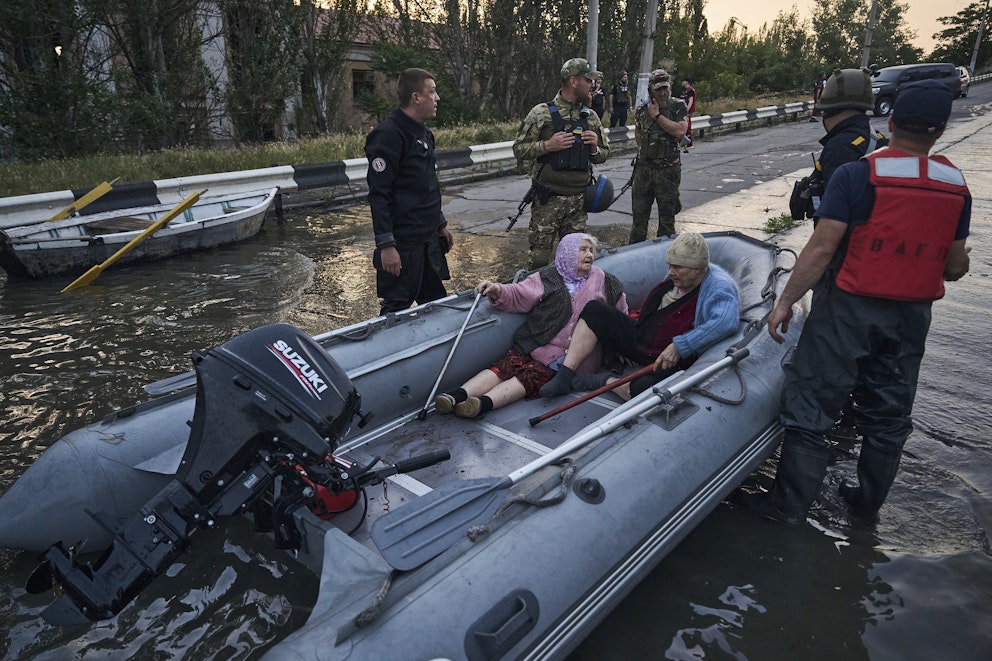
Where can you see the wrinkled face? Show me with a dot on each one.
(662, 95)
(685, 277)
(586, 255)
(425, 101)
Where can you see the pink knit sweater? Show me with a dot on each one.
(523, 296)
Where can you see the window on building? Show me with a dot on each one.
(362, 82)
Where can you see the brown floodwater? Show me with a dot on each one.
(736, 588)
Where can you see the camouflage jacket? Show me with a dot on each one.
(537, 127)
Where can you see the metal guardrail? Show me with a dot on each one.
(23, 209)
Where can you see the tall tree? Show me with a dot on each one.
(158, 70)
(327, 33)
(263, 65)
(840, 33)
(956, 42)
(54, 98)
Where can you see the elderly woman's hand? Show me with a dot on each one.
(668, 358)
(490, 289)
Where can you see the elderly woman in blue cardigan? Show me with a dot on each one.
(696, 306)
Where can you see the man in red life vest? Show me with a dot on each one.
(892, 228)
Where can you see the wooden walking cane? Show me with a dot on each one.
(593, 393)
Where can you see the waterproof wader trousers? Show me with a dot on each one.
(877, 468)
(871, 347)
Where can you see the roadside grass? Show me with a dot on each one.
(778, 223)
(81, 173)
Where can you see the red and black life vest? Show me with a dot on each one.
(900, 252)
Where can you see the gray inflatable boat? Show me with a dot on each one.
(506, 537)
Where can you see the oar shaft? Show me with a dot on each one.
(594, 393)
(641, 404)
(454, 345)
(94, 194)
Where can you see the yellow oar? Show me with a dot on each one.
(95, 271)
(95, 194)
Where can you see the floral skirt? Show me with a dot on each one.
(528, 371)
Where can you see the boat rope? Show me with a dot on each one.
(567, 476)
(725, 400)
(369, 615)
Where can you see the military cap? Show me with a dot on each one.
(578, 66)
(659, 78)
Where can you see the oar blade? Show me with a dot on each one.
(85, 278)
(411, 535)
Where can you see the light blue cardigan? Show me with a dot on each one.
(718, 312)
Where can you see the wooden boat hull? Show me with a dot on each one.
(538, 579)
(71, 246)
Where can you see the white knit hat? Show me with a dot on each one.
(688, 250)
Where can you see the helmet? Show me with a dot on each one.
(599, 194)
(846, 88)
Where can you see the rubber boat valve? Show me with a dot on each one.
(590, 490)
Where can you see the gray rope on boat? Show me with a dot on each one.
(724, 400)
(567, 476)
(369, 615)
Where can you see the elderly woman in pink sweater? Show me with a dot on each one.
(553, 297)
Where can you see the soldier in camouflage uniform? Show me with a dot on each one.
(562, 139)
(658, 129)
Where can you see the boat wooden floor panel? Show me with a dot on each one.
(118, 224)
(489, 447)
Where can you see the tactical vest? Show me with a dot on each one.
(900, 252)
(575, 158)
(656, 143)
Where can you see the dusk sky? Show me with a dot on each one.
(921, 16)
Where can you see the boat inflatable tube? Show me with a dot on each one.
(599, 194)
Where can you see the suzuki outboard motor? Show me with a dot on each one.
(267, 403)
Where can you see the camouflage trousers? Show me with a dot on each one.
(654, 184)
(563, 214)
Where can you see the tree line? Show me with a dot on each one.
(84, 77)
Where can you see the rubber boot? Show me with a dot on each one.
(876, 473)
(797, 483)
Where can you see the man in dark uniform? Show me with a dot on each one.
(659, 126)
(411, 233)
(619, 100)
(689, 98)
(892, 228)
(845, 99)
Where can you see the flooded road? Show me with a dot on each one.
(738, 587)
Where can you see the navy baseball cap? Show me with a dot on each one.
(923, 107)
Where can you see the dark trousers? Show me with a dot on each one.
(618, 116)
(420, 280)
(868, 347)
(618, 334)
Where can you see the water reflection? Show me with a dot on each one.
(737, 587)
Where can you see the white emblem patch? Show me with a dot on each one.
(378, 164)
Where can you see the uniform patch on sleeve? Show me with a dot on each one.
(378, 164)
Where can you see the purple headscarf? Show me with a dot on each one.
(567, 261)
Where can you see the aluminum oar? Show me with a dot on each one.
(426, 527)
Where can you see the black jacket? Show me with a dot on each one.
(846, 143)
(404, 193)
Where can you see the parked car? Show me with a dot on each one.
(965, 77)
(886, 83)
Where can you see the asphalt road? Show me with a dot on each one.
(749, 173)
